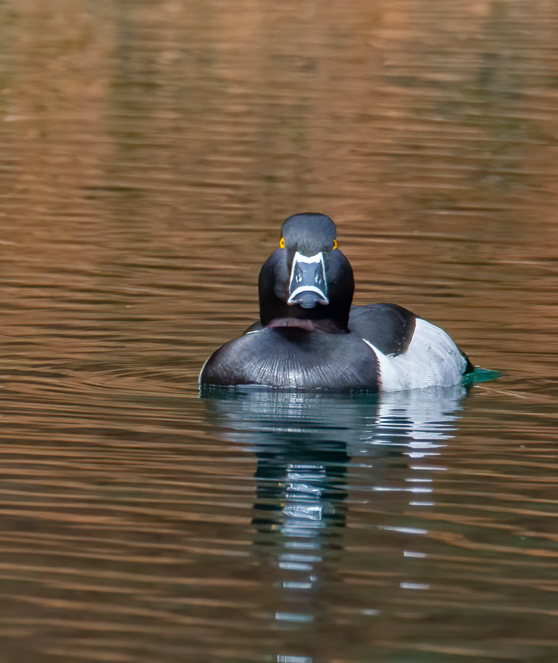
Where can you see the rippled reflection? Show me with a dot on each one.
(306, 446)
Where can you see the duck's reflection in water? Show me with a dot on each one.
(307, 445)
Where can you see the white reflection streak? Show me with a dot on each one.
(295, 566)
(404, 530)
(413, 585)
(429, 468)
(303, 507)
(293, 617)
(421, 429)
(303, 516)
(291, 584)
(388, 489)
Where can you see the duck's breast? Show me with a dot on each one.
(295, 359)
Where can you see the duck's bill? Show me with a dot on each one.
(308, 285)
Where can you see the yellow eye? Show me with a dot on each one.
(282, 243)
(334, 244)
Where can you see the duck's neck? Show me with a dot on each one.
(306, 325)
(332, 317)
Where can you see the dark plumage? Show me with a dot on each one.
(309, 337)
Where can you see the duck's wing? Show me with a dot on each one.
(388, 327)
(411, 352)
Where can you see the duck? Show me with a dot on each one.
(311, 337)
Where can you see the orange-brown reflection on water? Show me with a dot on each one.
(148, 154)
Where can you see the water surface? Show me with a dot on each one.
(148, 154)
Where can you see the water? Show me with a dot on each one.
(148, 154)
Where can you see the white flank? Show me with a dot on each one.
(431, 360)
